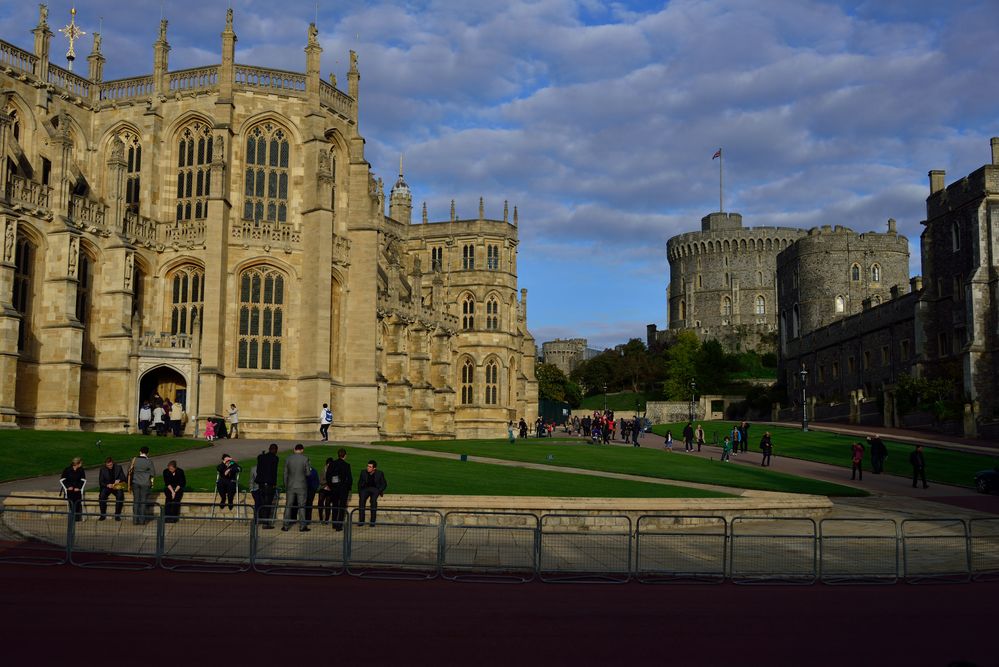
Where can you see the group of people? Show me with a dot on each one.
(162, 416)
(113, 481)
(879, 454)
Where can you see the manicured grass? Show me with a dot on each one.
(411, 473)
(624, 401)
(944, 466)
(649, 460)
(27, 453)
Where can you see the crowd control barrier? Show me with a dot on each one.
(35, 534)
(584, 548)
(125, 542)
(935, 550)
(197, 543)
(402, 544)
(774, 550)
(858, 551)
(680, 549)
(984, 546)
(490, 546)
(318, 551)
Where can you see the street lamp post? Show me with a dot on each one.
(693, 391)
(804, 406)
(605, 398)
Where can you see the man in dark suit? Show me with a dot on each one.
(111, 481)
(267, 471)
(918, 466)
(340, 481)
(371, 484)
(878, 453)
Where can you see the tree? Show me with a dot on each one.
(681, 366)
(551, 382)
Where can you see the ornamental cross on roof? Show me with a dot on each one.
(72, 32)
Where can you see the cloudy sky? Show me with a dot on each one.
(599, 120)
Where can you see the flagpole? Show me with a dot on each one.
(721, 196)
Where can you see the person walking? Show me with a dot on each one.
(918, 463)
(509, 433)
(340, 481)
(669, 441)
(699, 434)
(174, 483)
(145, 417)
(141, 474)
(228, 480)
(296, 484)
(177, 419)
(688, 438)
(74, 479)
(159, 420)
(267, 472)
(111, 481)
(878, 453)
(726, 450)
(325, 419)
(233, 422)
(370, 485)
(736, 434)
(858, 461)
(744, 436)
(767, 445)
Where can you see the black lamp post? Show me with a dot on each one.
(804, 406)
(693, 391)
(605, 398)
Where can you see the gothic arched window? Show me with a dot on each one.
(855, 273)
(876, 273)
(133, 168)
(840, 304)
(24, 254)
(187, 297)
(467, 382)
(468, 257)
(761, 305)
(492, 383)
(437, 258)
(492, 257)
(266, 191)
(492, 314)
(194, 152)
(683, 309)
(726, 306)
(261, 318)
(468, 313)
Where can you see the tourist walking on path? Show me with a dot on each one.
(878, 453)
(177, 419)
(296, 484)
(688, 438)
(74, 478)
(111, 480)
(858, 461)
(140, 479)
(233, 422)
(726, 450)
(669, 441)
(371, 484)
(341, 481)
(918, 466)
(744, 436)
(699, 434)
(174, 483)
(767, 445)
(159, 423)
(325, 419)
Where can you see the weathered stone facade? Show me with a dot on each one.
(567, 353)
(217, 236)
(722, 281)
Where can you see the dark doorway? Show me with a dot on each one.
(164, 383)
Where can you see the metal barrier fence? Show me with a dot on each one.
(403, 544)
(858, 551)
(490, 546)
(508, 546)
(578, 548)
(195, 543)
(680, 549)
(760, 554)
(935, 550)
(320, 550)
(983, 544)
(37, 535)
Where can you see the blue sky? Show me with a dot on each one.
(599, 119)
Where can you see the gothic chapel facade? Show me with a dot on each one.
(215, 236)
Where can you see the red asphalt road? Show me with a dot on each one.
(73, 616)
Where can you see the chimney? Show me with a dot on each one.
(937, 180)
(916, 283)
(995, 150)
(892, 226)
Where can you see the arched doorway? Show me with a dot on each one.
(164, 382)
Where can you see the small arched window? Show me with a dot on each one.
(468, 312)
(955, 236)
(683, 309)
(492, 383)
(726, 306)
(795, 322)
(467, 382)
(468, 257)
(855, 273)
(761, 305)
(840, 304)
(492, 314)
(876, 273)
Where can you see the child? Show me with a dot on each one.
(209, 430)
(669, 441)
(726, 450)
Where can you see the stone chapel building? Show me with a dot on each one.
(216, 236)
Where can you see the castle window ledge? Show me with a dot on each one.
(253, 374)
(166, 345)
(27, 193)
(185, 234)
(266, 233)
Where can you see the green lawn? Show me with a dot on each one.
(944, 466)
(411, 473)
(649, 460)
(27, 453)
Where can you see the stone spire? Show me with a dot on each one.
(506, 211)
(482, 209)
(424, 212)
(43, 42)
(161, 61)
(227, 70)
(401, 199)
(516, 218)
(96, 61)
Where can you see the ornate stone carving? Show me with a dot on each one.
(74, 256)
(9, 235)
(117, 150)
(218, 149)
(129, 270)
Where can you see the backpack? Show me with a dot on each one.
(328, 415)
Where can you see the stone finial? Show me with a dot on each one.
(453, 216)
(353, 62)
(995, 150)
(333, 79)
(228, 20)
(482, 209)
(163, 30)
(937, 177)
(516, 217)
(97, 43)
(313, 35)
(424, 212)
(892, 226)
(506, 211)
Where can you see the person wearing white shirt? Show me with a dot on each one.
(325, 419)
(177, 418)
(233, 421)
(145, 416)
(159, 425)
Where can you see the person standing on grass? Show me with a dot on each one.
(174, 482)
(918, 466)
(371, 484)
(726, 450)
(325, 419)
(767, 445)
(878, 453)
(509, 432)
(74, 478)
(340, 480)
(688, 438)
(699, 434)
(858, 461)
(112, 482)
(296, 484)
(140, 478)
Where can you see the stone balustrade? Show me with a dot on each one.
(277, 233)
(335, 100)
(17, 59)
(139, 227)
(69, 82)
(88, 213)
(188, 233)
(26, 192)
(120, 90)
(195, 79)
(272, 80)
(165, 341)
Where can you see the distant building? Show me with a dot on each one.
(566, 354)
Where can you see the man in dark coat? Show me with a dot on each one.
(688, 438)
(340, 481)
(918, 466)
(111, 481)
(371, 484)
(267, 472)
(878, 453)
(73, 479)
